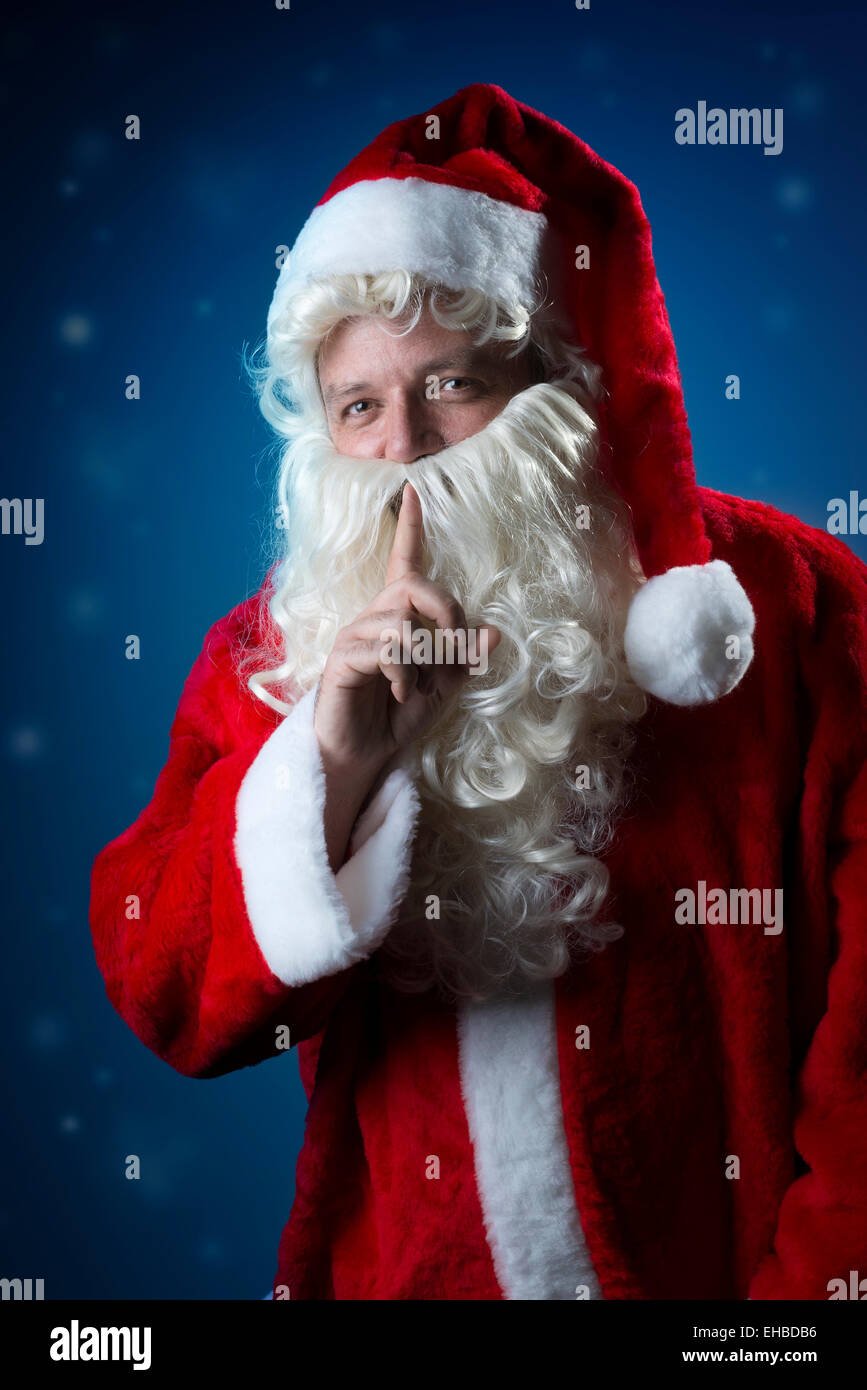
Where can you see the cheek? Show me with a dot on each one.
(354, 443)
(474, 416)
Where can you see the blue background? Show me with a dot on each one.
(157, 258)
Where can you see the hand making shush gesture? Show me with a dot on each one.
(369, 705)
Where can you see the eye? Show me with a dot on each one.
(353, 412)
(462, 381)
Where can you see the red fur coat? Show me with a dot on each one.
(710, 1142)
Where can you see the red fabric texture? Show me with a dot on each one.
(707, 1041)
(490, 143)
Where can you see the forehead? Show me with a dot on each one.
(376, 343)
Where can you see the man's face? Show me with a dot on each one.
(401, 398)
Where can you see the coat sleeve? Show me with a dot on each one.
(821, 1234)
(215, 918)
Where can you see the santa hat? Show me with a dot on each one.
(483, 192)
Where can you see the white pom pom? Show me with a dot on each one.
(688, 636)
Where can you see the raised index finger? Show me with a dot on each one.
(408, 545)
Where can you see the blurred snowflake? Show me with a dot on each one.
(76, 330)
(25, 743)
(212, 1251)
(794, 193)
(387, 38)
(47, 1031)
(103, 472)
(320, 74)
(807, 97)
(168, 1165)
(91, 147)
(592, 59)
(113, 41)
(84, 607)
(70, 1124)
(779, 317)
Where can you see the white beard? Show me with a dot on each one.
(520, 527)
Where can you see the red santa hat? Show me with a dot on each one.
(483, 192)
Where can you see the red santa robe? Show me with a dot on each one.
(476, 1151)
(685, 1115)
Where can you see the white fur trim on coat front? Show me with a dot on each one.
(510, 1078)
(457, 237)
(309, 922)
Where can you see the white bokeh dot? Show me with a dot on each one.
(84, 607)
(47, 1031)
(76, 330)
(25, 742)
(794, 193)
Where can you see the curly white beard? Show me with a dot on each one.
(520, 527)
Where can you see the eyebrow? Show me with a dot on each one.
(462, 358)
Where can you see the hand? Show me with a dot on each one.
(369, 706)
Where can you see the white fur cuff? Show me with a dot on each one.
(309, 922)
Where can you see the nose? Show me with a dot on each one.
(410, 431)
